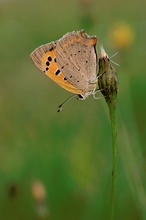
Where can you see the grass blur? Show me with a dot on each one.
(58, 165)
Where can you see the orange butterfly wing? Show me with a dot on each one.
(44, 57)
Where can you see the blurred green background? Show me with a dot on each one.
(58, 165)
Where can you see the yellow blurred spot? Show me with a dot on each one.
(121, 35)
(38, 191)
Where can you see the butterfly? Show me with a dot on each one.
(71, 62)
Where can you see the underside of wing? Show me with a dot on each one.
(44, 57)
(76, 57)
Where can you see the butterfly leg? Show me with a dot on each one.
(95, 92)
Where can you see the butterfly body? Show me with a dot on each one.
(71, 62)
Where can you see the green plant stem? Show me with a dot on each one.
(112, 111)
(108, 83)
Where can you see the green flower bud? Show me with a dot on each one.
(108, 80)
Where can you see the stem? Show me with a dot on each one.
(112, 112)
(108, 83)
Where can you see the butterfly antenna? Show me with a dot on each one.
(112, 60)
(114, 63)
(114, 55)
(60, 107)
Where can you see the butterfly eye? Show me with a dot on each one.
(81, 97)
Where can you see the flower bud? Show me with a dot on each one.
(107, 77)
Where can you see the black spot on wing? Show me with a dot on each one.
(52, 48)
(57, 72)
(47, 63)
(49, 59)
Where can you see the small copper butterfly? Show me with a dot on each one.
(71, 62)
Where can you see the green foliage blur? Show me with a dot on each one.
(57, 166)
